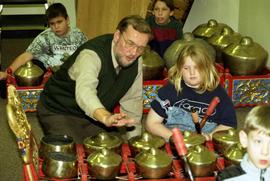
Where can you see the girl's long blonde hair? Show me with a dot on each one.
(206, 66)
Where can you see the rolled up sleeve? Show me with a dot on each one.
(85, 72)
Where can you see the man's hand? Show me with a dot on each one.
(3, 75)
(118, 120)
(125, 121)
(109, 119)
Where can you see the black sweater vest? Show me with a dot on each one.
(59, 92)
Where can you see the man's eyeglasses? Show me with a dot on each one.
(130, 44)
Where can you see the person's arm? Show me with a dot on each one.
(85, 72)
(19, 61)
(220, 127)
(35, 46)
(155, 126)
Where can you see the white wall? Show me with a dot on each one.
(248, 17)
(224, 11)
(254, 22)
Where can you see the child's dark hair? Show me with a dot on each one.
(169, 3)
(55, 10)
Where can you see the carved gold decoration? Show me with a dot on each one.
(20, 126)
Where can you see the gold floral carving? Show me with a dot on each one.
(20, 126)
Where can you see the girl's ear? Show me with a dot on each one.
(243, 138)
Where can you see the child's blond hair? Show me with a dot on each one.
(258, 119)
(206, 66)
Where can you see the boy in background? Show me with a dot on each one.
(255, 137)
(52, 46)
(166, 29)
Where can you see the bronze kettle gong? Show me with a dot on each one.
(191, 140)
(153, 163)
(102, 140)
(173, 51)
(60, 165)
(145, 142)
(222, 39)
(234, 154)
(245, 57)
(29, 75)
(153, 65)
(104, 164)
(56, 143)
(207, 30)
(224, 139)
(202, 161)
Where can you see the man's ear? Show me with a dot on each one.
(243, 138)
(116, 36)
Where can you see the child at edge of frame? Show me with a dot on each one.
(255, 137)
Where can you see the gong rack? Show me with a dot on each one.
(128, 168)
